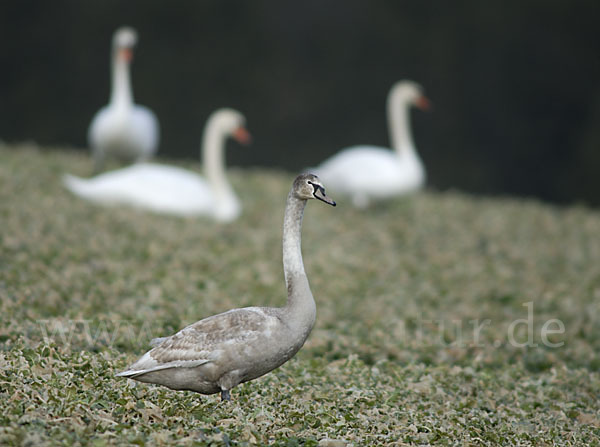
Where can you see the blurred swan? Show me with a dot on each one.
(122, 129)
(218, 353)
(172, 190)
(368, 173)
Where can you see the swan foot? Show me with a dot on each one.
(225, 395)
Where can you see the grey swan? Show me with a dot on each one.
(218, 353)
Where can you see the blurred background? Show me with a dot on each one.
(515, 84)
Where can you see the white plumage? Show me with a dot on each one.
(171, 190)
(130, 134)
(123, 129)
(154, 187)
(367, 173)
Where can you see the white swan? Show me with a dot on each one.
(368, 173)
(220, 352)
(169, 189)
(122, 129)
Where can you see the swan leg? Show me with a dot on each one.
(225, 395)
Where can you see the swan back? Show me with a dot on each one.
(159, 188)
(372, 171)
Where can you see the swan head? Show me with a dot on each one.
(308, 186)
(410, 92)
(231, 123)
(124, 39)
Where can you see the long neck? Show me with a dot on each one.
(399, 125)
(293, 267)
(213, 159)
(121, 95)
(300, 299)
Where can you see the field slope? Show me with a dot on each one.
(442, 318)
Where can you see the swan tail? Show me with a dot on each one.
(74, 184)
(152, 367)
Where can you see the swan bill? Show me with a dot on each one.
(319, 193)
(242, 136)
(126, 54)
(423, 103)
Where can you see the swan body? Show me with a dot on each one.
(217, 353)
(151, 186)
(367, 173)
(123, 129)
(169, 189)
(381, 174)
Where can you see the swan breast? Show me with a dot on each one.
(127, 134)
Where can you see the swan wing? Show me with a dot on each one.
(158, 188)
(359, 167)
(221, 336)
(145, 125)
(99, 127)
(372, 171)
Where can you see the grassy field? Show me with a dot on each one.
(442, 319)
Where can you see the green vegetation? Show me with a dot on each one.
(424, 333)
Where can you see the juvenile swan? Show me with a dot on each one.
(123, 129)
(216, 354)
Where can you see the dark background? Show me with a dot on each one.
(515, 83)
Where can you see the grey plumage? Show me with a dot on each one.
(219, 352)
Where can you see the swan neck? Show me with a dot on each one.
(293, 267)
(121, 94)
(292, 239)
(213, 159)
(399, 126)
